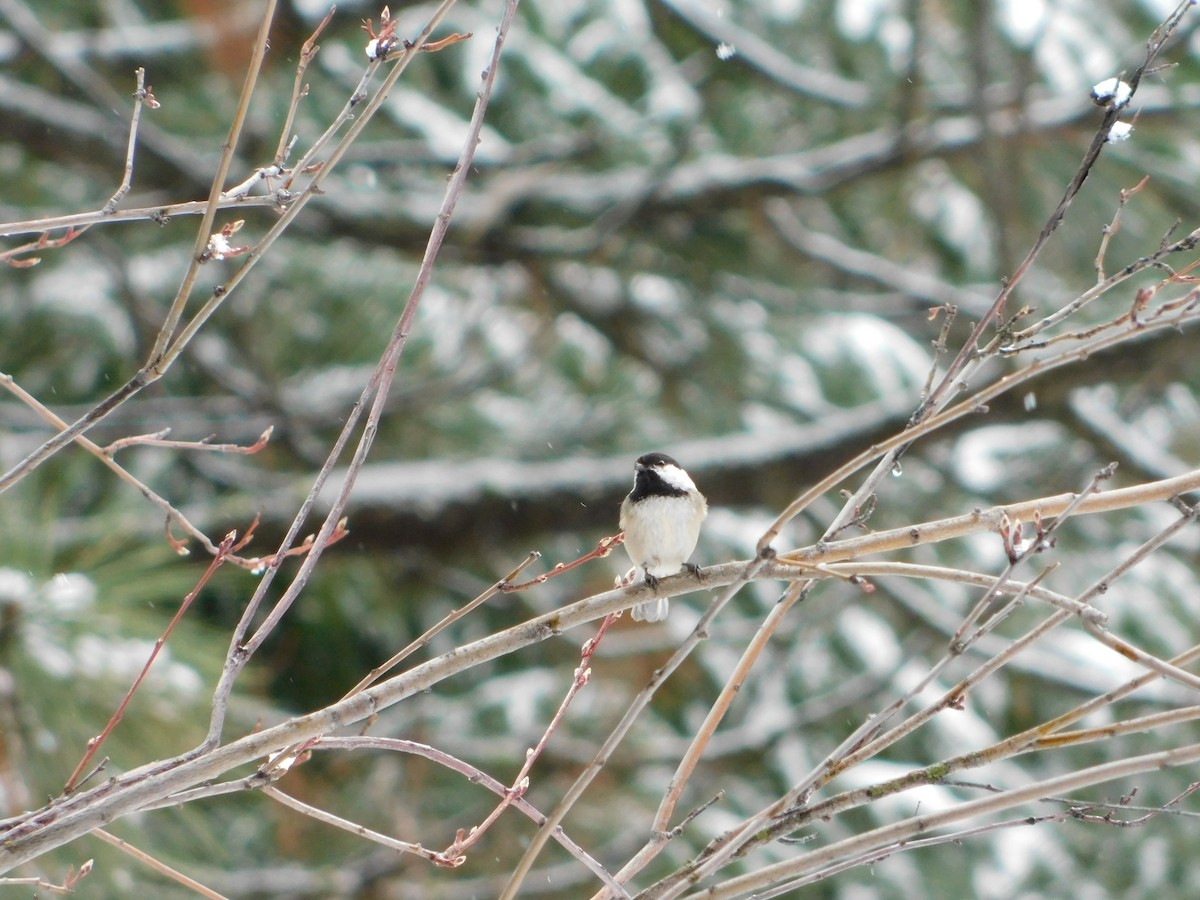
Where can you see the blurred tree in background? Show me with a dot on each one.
(733, 232)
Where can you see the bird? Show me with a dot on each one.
(661, 518)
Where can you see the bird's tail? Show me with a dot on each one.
(650, 611)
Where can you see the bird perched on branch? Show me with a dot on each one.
(661, 519)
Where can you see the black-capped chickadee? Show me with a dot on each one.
(661, 519)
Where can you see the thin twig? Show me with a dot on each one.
(895, 834)
(160, 215)
(377, 387)
(142, 96)
(375, 674)
(308, 52)
(169, 510)
(33, 833)
(354, 828)
(155, 362)
(1115, 225)
(69, 882)
(284, 761)
(603, 548)
(1186, 314)
(687, 764)
(228, 545)
(639, 704)
(13, 257)
(454, 854)
(158, 439)
(157, 865)
(853, 751)
(475, 776)
(949, 314)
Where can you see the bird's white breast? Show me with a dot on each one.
(661, 532)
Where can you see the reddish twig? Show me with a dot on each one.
(308, 52)
(603, 548)
(45, 242)
(180, 547)
(259, 564)
(455, 854)
(229, 545)
(476, 776)
(219, 246)
(157, 439)
(69, 882)
(384, 42)
(435, 46)
(1115, 225)
(940, 345)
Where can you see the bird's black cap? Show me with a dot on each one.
(650, 460)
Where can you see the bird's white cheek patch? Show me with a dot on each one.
(677, 478)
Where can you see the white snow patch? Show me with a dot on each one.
(69, 594)
(955, 212)
(980, 457)
(655, 293)
(122, 659)
(1119, 132)
(890, 358)
(870, 638)
(1023, 20)
(16, 587)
